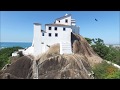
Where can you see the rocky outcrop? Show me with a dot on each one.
(52, 65)
(82, 47)
(20, 69)
(64, 67)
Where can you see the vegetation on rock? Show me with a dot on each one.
(5, 54)
(107, 53)
(106, 71)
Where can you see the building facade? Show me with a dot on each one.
(57, 32)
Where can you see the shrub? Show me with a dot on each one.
(106, 71)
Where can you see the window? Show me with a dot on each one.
(42, 42)
(56, 34)
(42, 34)
(63, 29)
(49, 28)
(66, 20)
(55, 28)
(49, 34)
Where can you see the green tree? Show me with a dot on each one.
(113, 55)
(100, 48)
(5, 54)
(88, 40)
(108, 53)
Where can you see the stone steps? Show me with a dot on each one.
(65, 47)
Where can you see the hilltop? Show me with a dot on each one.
(53, 65)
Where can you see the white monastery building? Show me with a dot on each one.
(57, 32)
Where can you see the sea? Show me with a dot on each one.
(14, 44)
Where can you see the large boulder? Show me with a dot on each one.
(19, 69)
(65, 67)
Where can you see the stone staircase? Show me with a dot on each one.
(65, 48)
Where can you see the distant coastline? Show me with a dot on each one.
(14, 44)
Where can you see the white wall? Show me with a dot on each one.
(63, 36)
(41, 42)
(29, 51)
(37, 39)
(62, 21)
(15, 54)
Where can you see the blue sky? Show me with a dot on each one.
(17, 26)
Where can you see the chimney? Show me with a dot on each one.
(37, 26)
(37, 39)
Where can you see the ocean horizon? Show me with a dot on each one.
(26, 44)
(15, 44)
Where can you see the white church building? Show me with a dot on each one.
(57, 32)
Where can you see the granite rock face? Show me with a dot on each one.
(64, 67)
(52, 65)
(17, 70)
(82, 47)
